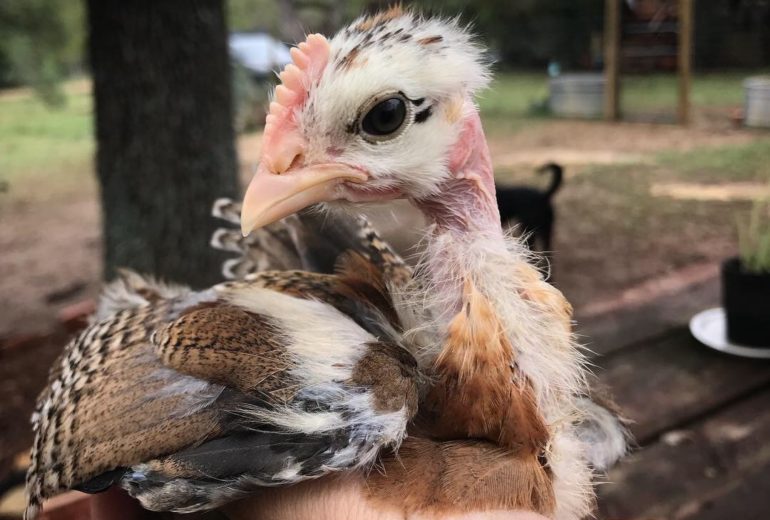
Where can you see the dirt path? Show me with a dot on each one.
(51, 256)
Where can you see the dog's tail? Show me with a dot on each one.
(557, 174)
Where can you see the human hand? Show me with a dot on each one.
(327, 499)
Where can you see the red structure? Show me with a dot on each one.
(646, 36)
(649, 35)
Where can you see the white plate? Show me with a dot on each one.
(710, 328)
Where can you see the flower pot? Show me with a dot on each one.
(746, 299)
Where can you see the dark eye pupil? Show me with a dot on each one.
(385, 117)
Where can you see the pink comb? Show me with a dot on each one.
(281, 144)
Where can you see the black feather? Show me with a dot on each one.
(423, 116)
(102, 482)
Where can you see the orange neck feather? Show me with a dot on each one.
(479, 392)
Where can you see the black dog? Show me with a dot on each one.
(532, 208)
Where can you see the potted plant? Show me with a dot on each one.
(746, 281)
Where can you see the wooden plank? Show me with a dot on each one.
(631, 324)
(685, 58)
(717, 469)
(612, 15)
(747, 499)
(674, 380)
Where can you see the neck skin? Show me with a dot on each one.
(465, 205)
(463, 211)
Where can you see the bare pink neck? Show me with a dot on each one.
(464, 209)
(466, 202)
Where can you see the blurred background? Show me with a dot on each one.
(120, 122)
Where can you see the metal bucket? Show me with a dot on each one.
(577, 95)
(757, 109)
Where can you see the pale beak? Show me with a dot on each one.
(272, 196)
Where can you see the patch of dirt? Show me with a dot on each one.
(51, 255)
(715, 192)
(249, 150)
(565, 156)
(612, 234)
(580, 143)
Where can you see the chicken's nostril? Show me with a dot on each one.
(285, 156)
(284, 162)
(299, 160)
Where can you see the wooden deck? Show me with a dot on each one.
(701, 419)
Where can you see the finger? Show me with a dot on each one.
(115, 504)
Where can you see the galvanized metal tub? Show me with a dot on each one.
(757, 108)
(579, 95)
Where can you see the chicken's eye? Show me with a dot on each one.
(385, 118)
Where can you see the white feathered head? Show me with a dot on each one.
(384, 110)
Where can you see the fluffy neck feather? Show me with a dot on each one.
(534, 317)
(467, 244)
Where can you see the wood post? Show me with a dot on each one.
(612, 59)
(684, 60)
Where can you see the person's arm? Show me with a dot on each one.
(314, 500)
(115, 504)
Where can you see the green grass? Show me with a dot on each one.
(37, 140)
(723, 164)
(660, 91)
(512, 101)
(516, 95)
(746, 162)
(651, 234)
(683, 228)
(513, 94)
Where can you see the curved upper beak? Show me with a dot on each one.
(272, 196)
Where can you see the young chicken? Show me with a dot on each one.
(462, 379)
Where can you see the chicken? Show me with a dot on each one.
(460, 379)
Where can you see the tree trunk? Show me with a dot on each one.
(164, 132)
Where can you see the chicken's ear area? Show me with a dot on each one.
(470, 155)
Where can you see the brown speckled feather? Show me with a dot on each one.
(229, 346)
(96, 414)
(169, 375)
(479, 392)
(312, 241)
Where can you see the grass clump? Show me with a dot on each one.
(735, 163)
(754, 238)
(39, 141)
